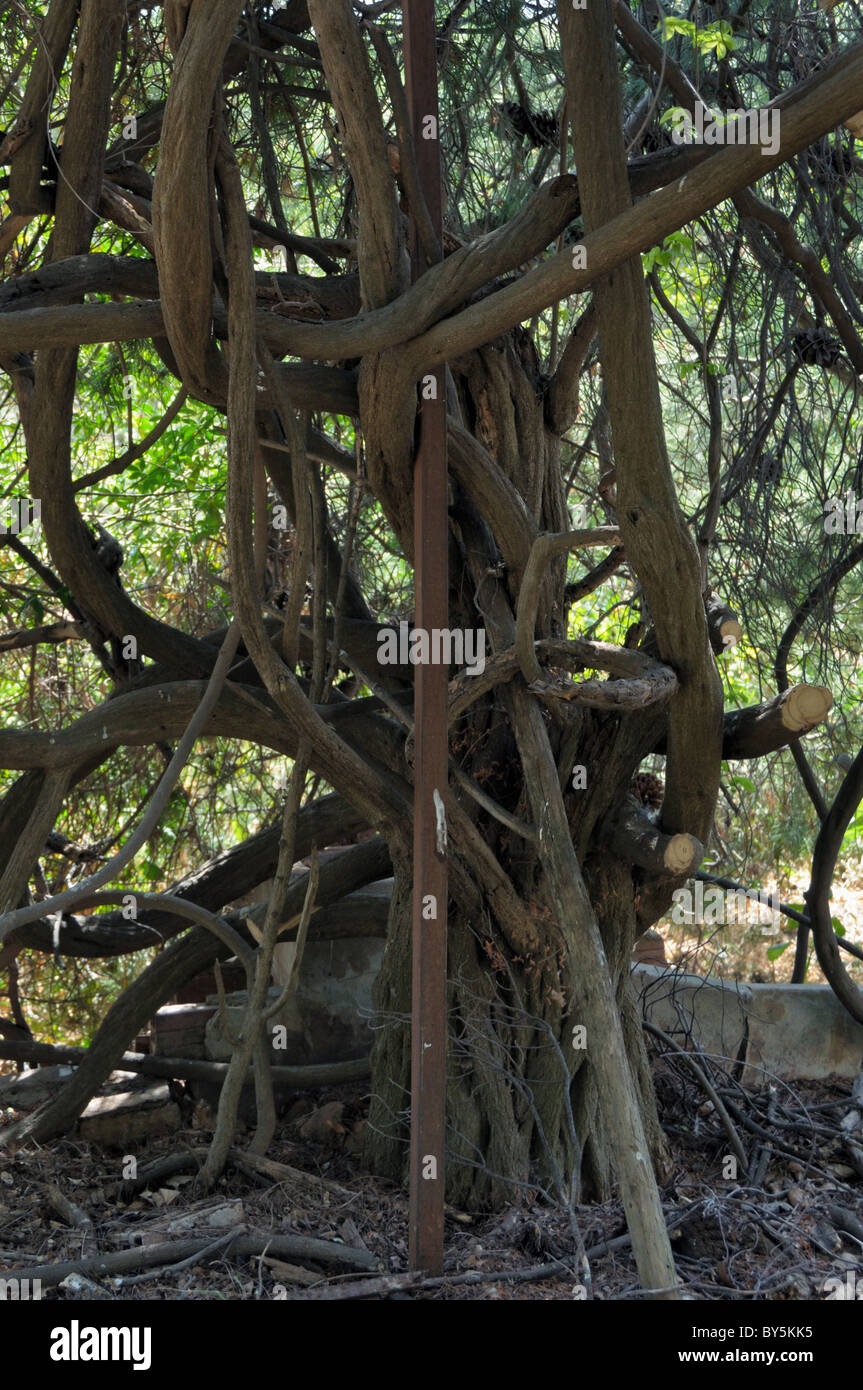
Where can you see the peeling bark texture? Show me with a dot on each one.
(655, 537)
(382, 263)
(55, 35)
(183, 190)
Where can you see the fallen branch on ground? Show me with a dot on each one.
(172, 1252)
(188, 1069)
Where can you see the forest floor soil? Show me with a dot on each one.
(783, 1230)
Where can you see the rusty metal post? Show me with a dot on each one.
(431, 610)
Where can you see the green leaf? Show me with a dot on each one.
(32, 611)
(672, 115)
(774, 952)
(671, 25)
(746, 784)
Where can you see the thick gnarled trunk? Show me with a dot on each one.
(524, 1096)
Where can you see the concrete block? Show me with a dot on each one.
(178, 1030)
(711, 1013)
(800, 1031)
(327, 1019)
(30, 1089)
(117, 1120)
(790, 1032)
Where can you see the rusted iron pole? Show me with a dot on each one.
(431, 610)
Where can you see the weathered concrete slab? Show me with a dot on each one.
(117, 1120)
(28, 1090)
(788, 1031)
(801, 1031)
(711, 1014)
(328, 1018)
(178, 1030)
(794, 1032)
